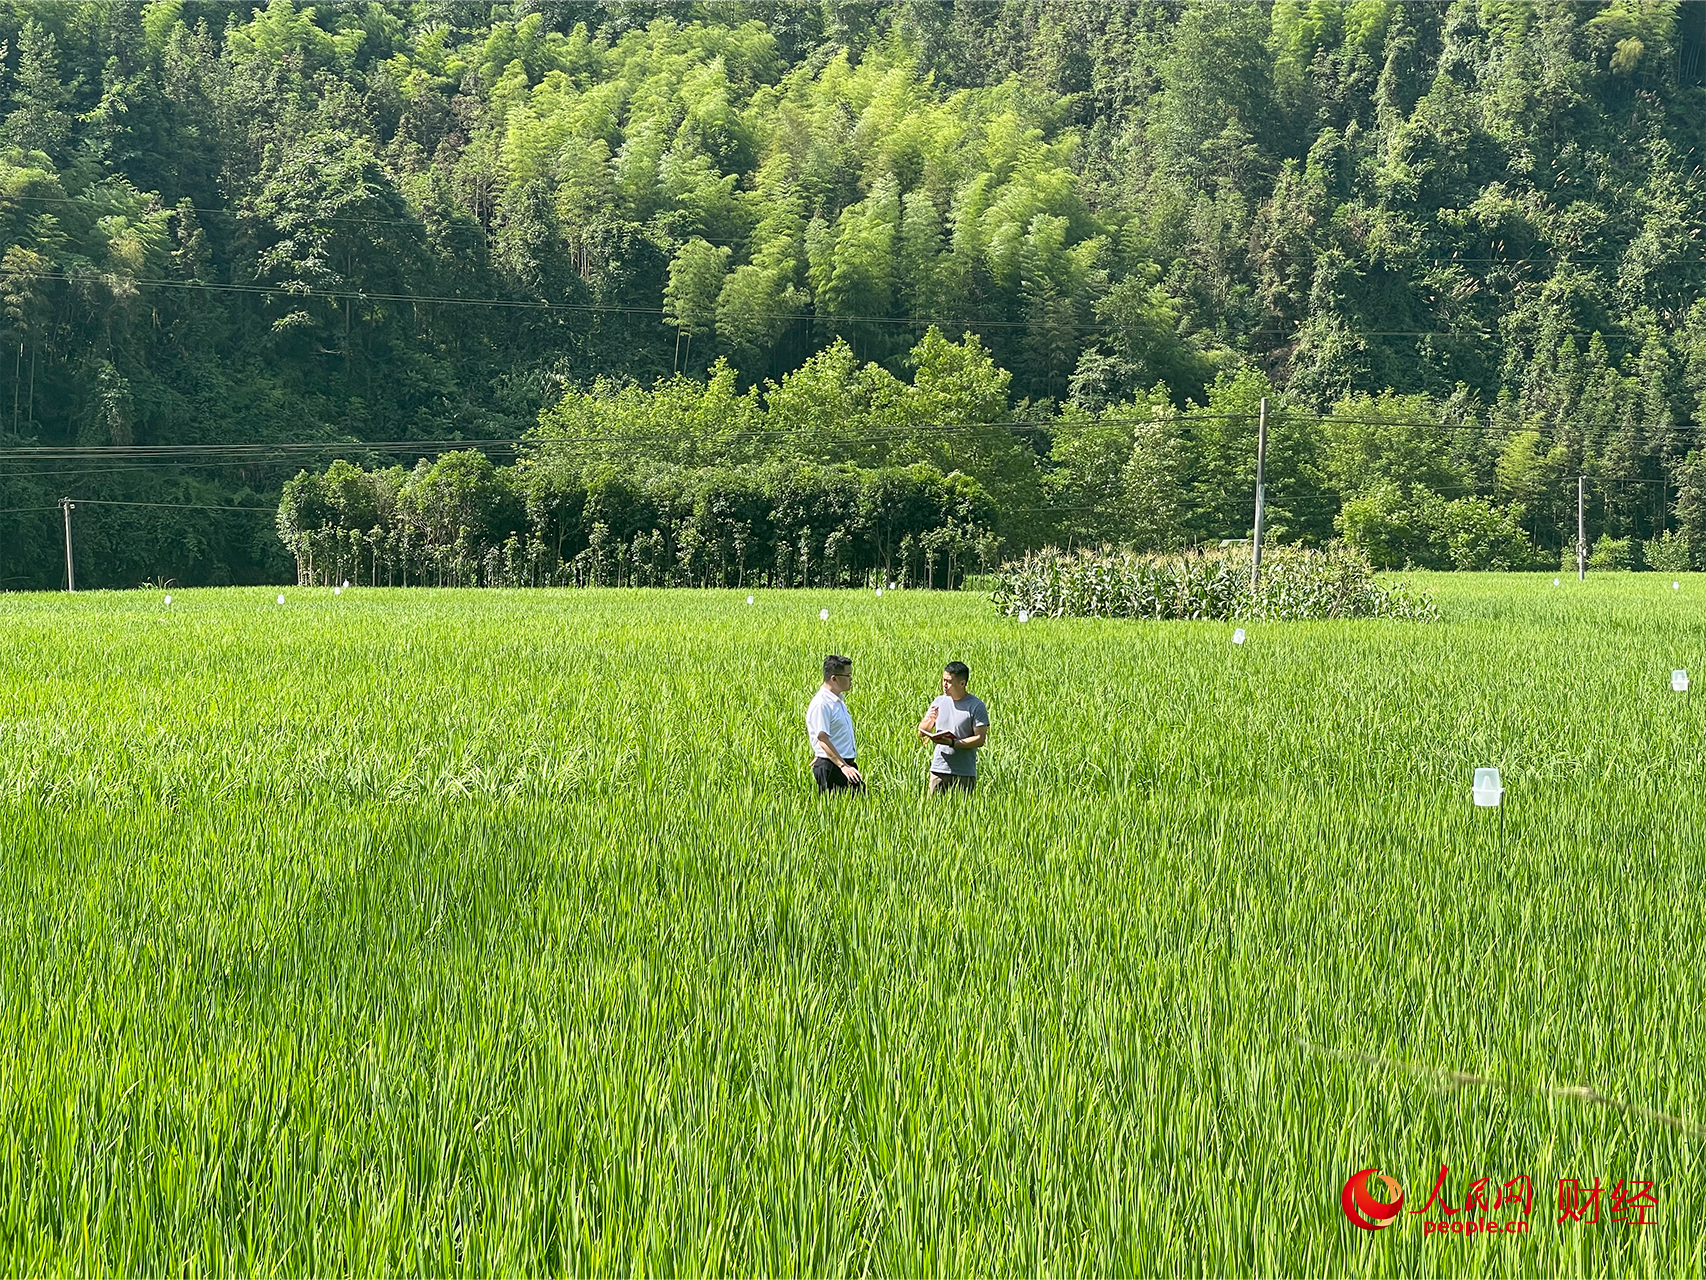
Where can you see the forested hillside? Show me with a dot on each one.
(241, 240)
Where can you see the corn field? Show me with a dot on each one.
(1295, 584)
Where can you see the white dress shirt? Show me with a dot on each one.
(828, 714)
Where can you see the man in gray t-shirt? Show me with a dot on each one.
(958, 723)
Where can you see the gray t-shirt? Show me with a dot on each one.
(962, 719)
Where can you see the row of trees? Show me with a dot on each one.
(840, 471)
(1409, 480)
(461, 521)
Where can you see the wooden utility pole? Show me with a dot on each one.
(1261, 463)
(68, 506)
(1581, 530)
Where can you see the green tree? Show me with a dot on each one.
(695, 283)
(37, 121)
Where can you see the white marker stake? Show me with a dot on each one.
(823, 615)
(1679, 681)
(1024, 615)
(1554, 582)
(891, 586)
(346, 584)
(1238, 635)
(281, 599)
(168, 599)
(1676, 586)
(1488, 791)
(749, 599)
(879, 593)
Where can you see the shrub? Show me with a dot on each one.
(1669, 553)
(1615, 554)
(1476, 533)
(1423, 529)
(1297, 583)
(1385, 527)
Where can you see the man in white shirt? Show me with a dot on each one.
(829, 725)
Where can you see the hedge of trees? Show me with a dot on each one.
(461, 521)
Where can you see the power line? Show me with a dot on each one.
(130, 459)
(295, 290)
(464, 220)
(175, 506)
(1161, 416)
(524, 304)
(429, 221)
(245, 452)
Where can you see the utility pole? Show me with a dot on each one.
(1261, 463)
(1581, 530)
(68, 507)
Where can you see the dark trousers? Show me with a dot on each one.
(829, 776)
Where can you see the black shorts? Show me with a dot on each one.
(829, 776)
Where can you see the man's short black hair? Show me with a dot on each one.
(958, 670)
(836, 665)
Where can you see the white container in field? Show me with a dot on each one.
(1554, 582)
(281, 599)
(1024, 615)
(1238, 635)
(1679, 681)
(168, 599)
(749, 599)
(1676, 586)
(337, 591)
(346, 584)
(1489, 792)
(823, 615)
(879, 593)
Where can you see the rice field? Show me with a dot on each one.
(467, 932)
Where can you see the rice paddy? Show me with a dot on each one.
(454, 932)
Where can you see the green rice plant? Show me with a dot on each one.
(499, 931)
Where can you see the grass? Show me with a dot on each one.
(453, 932)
